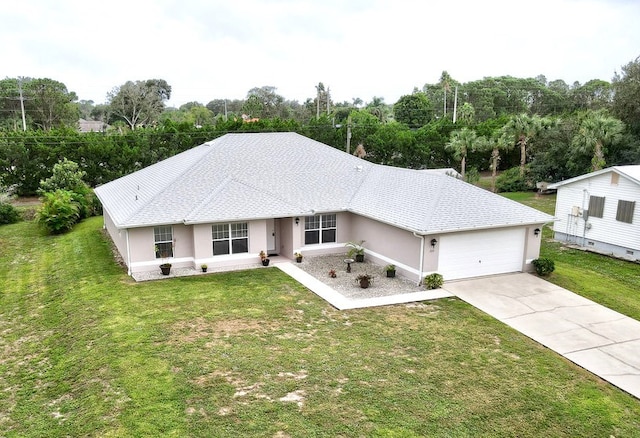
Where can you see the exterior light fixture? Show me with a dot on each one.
(536, 232)
(297, 220)
(433, 243)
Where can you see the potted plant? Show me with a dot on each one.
(364, 280)
(298, 257)
(204, 267)
(332, 273)
(433, 281)
(165, 267)
(390, 270)
(356, 251)
(263, 257)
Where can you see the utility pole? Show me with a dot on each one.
(225, 110)
(24, 120)
(349, 134)
(455, 105)
(328, 100)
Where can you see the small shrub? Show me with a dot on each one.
(8, 214)
(511, 181)
(59, 211)
(544, 266)
(433, 281)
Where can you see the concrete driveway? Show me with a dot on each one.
(594, 337)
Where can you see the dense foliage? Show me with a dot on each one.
(549, 130)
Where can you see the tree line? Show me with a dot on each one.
(547, 130)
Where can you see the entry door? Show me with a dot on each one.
(272, 236)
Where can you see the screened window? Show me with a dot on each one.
(163, 240)
(230, 238)
(320, 228)
(625, 211)
(596, 206)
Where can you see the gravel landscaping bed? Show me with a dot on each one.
(345, 283)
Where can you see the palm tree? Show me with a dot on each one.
(596, 130)
(461, 142)
(521, 129)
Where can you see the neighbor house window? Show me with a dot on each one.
(230, 238)
(625, 211)
(320, 228)
(163, 240)
(596, 206)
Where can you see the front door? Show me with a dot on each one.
(272, 236)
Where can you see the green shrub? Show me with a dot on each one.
(511, 181)
(433, 281)
(544, 266)
(8, 214)
(59, 211)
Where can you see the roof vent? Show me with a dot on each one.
(358, 168)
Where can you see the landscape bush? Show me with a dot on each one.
(544, 266)
(59, 211)
(511, 181)
(433, 281)
(8, 214)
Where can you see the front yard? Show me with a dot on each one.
(85, 351)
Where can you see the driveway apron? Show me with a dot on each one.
(594, 337)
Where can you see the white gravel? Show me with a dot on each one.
(345, 283)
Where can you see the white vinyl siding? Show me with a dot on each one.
(606, 229)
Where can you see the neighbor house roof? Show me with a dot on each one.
(270, 175)
(632, 172)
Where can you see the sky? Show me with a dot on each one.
(211, 49)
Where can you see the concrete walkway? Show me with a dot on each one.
(594, 337)
(340, 302)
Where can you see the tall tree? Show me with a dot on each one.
(414, 110)
(140, 102)
(271, 104)
(626, 101)
(50, 104)
(596, 130)
(519, 131)
(461, 142)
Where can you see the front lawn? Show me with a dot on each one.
(85, 351)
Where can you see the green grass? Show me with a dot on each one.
(85, 351)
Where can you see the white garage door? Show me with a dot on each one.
(488, 252)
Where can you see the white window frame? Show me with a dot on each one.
(163, 235)
(320, 223)
(229, 232)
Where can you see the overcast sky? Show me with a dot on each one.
(359, 48)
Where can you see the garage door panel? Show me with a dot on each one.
(473, 254)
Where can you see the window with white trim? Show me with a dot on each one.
(230, 238)
(163, 240)
(320, 228)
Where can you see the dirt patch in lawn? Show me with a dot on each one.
(202, 328)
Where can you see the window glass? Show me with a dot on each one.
(163, 241)
(230, 238)
(320, 229)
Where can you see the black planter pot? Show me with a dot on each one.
(265, 262)
(364, 283)
(299, 259)
(359, 258)
(165, 268)
(204, 269)
(391, 274)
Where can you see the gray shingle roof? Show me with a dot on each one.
(254, 176)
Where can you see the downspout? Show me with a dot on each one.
(584, 221)
(421, 237)
(128, 253)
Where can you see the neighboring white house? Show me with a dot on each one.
(223, 202)
(600, 211)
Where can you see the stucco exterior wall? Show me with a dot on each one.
(119, 237)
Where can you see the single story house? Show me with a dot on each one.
(600, 211)
(223, 202)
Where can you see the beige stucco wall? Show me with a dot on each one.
(119, 237)
(531, 247)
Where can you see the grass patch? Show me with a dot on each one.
(86, 351)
